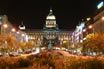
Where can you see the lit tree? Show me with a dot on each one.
(30, 44)
(94, 42)
(8, 43)
(2, 42)
(22, 45)
(26, 45)
(66, 44)
(12, 43)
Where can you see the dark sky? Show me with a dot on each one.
(33, 12)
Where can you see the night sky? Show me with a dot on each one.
(33, 12)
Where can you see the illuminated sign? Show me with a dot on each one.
(100, 5)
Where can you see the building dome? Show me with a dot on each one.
(50, 15)
(22, 26)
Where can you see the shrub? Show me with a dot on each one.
(8, 62)
(24, 62)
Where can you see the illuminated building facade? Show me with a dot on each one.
(49, 32)
(93, 24)
(78, 34)
(3, 20)
(98, 19)
(6, 28)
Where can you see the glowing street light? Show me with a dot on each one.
(102, 18)
(13, 30)
(5, 25)
(23, 35)
(90, 27)
(18, 32)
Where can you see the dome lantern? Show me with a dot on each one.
(50, 15)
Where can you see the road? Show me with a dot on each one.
(67, 54)
(64, 53)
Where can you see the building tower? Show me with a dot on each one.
(50, 30)
(51, 22)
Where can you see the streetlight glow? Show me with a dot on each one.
(23, 35)
(102, 18)
(90, 27)
(18, 32)
(13, 30)
(5, 25)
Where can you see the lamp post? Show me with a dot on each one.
(5, 27)
(23, 35)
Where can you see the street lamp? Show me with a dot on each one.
(102, 18)
(13, 30)
(5, 25)
(23, 35)
(90, 26)
(18, 32)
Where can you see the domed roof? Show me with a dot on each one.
(50, 15)
(22, 26)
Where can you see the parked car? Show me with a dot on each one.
(13, 54)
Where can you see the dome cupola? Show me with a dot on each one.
(50, 15)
